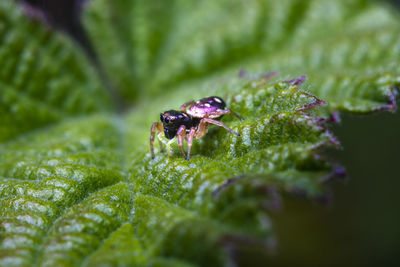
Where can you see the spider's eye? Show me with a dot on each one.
(166, 120)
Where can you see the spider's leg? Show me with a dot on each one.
(202, 129)
(160, 129)
(228, 111)
(218, 123)
(156, 126)
(187, 104)
(181, 134)
(190, 141)
(235, 114)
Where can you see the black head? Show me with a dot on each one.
(172, 120)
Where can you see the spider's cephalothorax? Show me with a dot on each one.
(171, 121)
(190, 122)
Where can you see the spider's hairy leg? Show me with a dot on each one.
(202, 129)
(190, 141)
(228, 111)
(181, 134)
(218, 123)
(235, 114)
(186, 105)
(155, 126)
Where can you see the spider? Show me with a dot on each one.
(191, 121)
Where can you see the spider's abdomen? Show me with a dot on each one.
(207, 107)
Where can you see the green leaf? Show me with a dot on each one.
(348, 49)
(78, 188)
(44, 77)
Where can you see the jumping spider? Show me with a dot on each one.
(190, 122)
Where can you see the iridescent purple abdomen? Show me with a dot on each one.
(207, 107)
